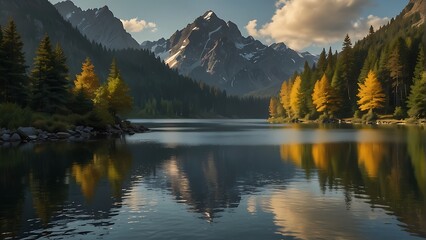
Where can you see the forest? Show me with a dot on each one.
(47, 95)
(384, 74)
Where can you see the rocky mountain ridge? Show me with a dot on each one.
(98, 25)
(215, 52)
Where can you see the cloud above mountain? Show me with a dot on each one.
(134, 25)
(302, 23)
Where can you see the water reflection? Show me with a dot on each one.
(385, 174)
(299, 189)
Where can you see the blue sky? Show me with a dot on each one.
(301, 24)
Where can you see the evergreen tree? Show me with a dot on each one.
(14, 81)
(322, 63)
(420, 67)
(2, 68)
(42, 76)
(296, 97)
(371, 95)
(59, 88)
(306, 88)
(343, 80)
(371, 31)
(395, 72)
(329, 71)
(80, 103)
(368, 65)
(417, 99)
(384, 77)
(87, 80)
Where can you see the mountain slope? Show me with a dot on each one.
(98, 25)
(416, 7)
(214, 51)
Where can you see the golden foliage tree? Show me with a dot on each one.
(87, 80)
(371, 95)
(296, 97)
(273, 107)
(285, 96)
(119, 95)
(325, 97)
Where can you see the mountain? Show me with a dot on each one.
(157, 90)
(98, 25)
(214, 51)
(416, 7)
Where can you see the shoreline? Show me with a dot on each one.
(354, 121)
(24, 135)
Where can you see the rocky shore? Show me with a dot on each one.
(77, 134)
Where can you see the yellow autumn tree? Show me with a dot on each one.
(101, 103)
(87, 80)
(273, 107)
(119, 95)
(285, 96)
(296, 97)
(371, 95)
(324, 96)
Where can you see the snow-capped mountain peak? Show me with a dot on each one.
(214, 51)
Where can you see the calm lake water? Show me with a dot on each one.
(220, 179)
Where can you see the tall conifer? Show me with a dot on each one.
(14, 81)
(42, 76)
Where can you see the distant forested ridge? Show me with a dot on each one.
(383, 73)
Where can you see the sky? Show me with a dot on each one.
(304, 25)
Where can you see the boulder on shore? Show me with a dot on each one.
(15, 138)
(26, 132)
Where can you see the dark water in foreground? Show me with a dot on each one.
(220, 179)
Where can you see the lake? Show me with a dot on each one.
(220, 179)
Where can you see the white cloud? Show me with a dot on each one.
(134, 25)
(302, 23)
(251, 28)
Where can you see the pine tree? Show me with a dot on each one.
(343, 80)
(14, 82)
(80, 103)
(307, 87)
(329, 71)
(371, 95)
(87, 80)
(324, 97)
(285, 97)
(417, 99)
(322, 63)
(296, 97)
(2, 68)
(59, 88)
(420, 67)
(42, 75)
(371, 31)
(369, 63)
(395, 72)
(273, 102)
